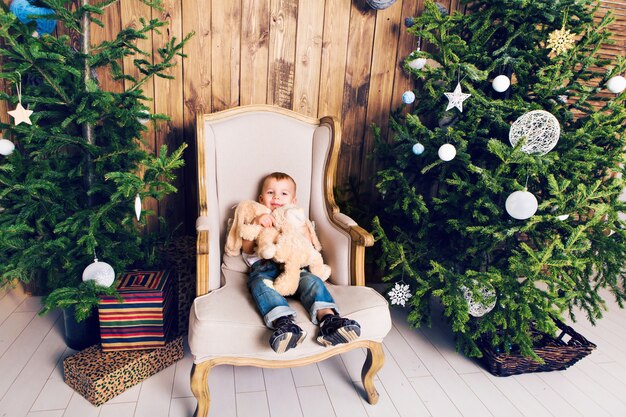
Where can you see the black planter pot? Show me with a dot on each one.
(81, 335)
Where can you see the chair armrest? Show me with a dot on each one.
(357, 233)
(360, 239)
(202, 256)
(202, 223)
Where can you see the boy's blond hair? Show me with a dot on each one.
(278, 176)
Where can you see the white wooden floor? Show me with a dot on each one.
(422, 376)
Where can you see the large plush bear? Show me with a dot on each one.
(286, 243)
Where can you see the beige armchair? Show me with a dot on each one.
(236, 148)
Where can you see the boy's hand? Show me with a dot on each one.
(265, 220)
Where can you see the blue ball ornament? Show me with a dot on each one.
(418, 148)
(442, 9)
(408, 97)
(23, 8)
(409, 21)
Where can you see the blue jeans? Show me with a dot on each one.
(311, 291)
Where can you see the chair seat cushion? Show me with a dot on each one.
(226, 322)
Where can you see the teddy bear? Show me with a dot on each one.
(286, 243)
(242, 227)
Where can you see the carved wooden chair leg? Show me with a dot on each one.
(200, 387)
(374, 361)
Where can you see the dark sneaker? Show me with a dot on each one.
(287, 334)
(335, 330)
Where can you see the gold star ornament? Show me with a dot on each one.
(561, 41)
(456, 98)
(20, 114)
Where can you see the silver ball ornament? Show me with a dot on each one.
(501, 83)
(143, 117)
(521, 205)
(101, 272)
(616, 84)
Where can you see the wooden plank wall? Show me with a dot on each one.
(322, 57)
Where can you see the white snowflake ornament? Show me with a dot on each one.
(400, 294)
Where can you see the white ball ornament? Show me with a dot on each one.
(6, 147)
(447, 152)
(541, 130)
(521, 205)
(101, 272)
(616, 84)
(501, 83)
(417, 63)
(418, 149)
(408, 97)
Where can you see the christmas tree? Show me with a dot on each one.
(502, 201)
(73, 169)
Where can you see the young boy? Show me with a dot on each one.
(277, 190)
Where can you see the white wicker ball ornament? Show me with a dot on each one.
(541, 130)
(101, 272)
(6, 147)
(521, 205)
(501, 83)
(477, 308)
(616, 84)
(447, 152)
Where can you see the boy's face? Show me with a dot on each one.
(276, 193)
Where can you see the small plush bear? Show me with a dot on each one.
(286, 243)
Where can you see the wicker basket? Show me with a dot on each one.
(557, 353)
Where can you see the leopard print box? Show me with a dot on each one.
(99, 376)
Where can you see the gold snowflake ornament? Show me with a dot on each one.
(561, 40)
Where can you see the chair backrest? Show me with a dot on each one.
(238, 147)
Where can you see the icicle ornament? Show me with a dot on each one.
(138, 207)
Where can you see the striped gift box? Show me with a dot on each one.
(146, 318)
